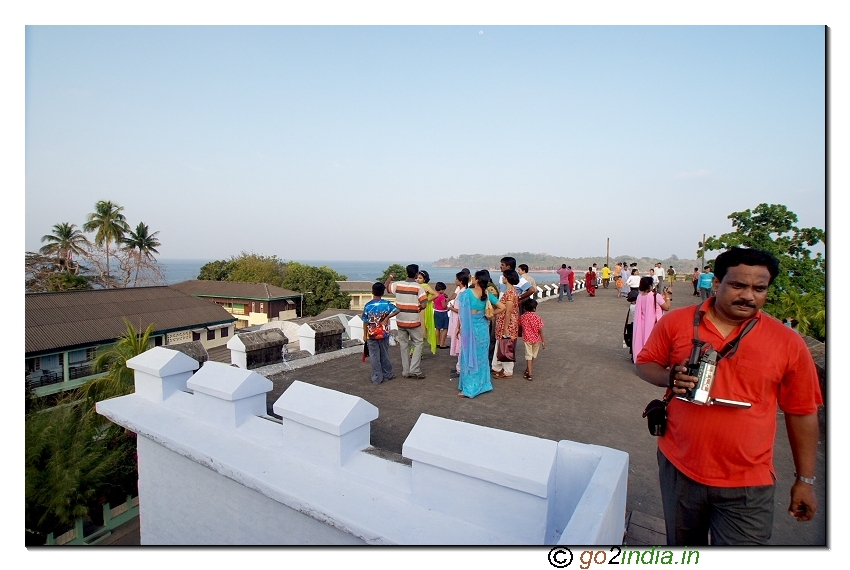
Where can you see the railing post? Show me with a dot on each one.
(107, 515)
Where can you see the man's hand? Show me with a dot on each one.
(682, 383)
(804, 503)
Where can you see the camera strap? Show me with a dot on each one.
(732, 347)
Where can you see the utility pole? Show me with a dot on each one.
(607, 251)
(703, 252)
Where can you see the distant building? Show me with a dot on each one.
(361, 293)
(251, 303)
(64, 331)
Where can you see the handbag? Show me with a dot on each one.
(505, 350)
(489, 311)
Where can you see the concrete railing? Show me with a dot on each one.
(214, 469)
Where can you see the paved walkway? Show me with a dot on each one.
(584, 389)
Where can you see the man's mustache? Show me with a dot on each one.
(749, 304)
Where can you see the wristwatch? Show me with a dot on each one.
(809, 480)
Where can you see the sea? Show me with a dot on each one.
(177, 270)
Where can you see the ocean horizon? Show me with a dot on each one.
(178, 270)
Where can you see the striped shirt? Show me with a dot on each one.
(408, 295)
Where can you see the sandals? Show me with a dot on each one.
(501, 374)
(526, 375)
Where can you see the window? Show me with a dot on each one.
(196, 335)
(211, 335)
(91, 353)
(225, 332)
(157, 341)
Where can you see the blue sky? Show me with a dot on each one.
(421, 142)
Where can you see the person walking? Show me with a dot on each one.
(695, 281)
(706, 280)
(429, 330)
(590, 282)
(532, 335)
(410, 298)
(473, 334)
(606, 276)
(649, 308)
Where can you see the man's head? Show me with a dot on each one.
(507, 263)
(563, 266)
(523, 268)
(412, 270)
(707, 268)
(742, 277)
(606, 265)
(569, 266)
(378, 289)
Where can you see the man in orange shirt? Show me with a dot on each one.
(716, 461)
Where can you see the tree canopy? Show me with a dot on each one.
(798, 291)
(397, 269)
(246, 268)
(321, 282)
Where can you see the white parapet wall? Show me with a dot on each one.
(214, 469)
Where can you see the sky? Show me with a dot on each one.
(423, 142)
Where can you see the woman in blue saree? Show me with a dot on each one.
(474, 334)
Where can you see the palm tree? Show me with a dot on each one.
(119, 378)
(64, 241)
(143, 244)
(109, 223)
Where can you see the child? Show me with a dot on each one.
(532, 334)
(376, 332)
(441, 314)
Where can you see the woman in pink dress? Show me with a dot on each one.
(650, 307)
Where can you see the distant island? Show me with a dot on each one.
(544, 262)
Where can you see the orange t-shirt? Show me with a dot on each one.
(733, 447)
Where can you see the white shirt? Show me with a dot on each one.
(633, 281)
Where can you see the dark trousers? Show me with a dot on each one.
(731, 515)
(379, 357)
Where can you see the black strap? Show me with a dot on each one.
(731, 348)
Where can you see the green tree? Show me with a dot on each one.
(119, 379)
(398, 270)
(142, 244)
(772, 227)
(246, 268)
(807, 308)
(63, 242)
(322, 284)
(109, 225)
(76, 459)
(218, 270)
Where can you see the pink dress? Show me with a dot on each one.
(454, 349)
(647, 312)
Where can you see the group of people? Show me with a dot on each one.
(715, 460)
(481, 319)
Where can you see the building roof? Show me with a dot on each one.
(235, 290)
(73, 319)
(356, 286)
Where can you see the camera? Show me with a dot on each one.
(703, 365)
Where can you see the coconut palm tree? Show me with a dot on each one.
(143, 244)
(119, 379)
(109, 224)
(64, 241)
